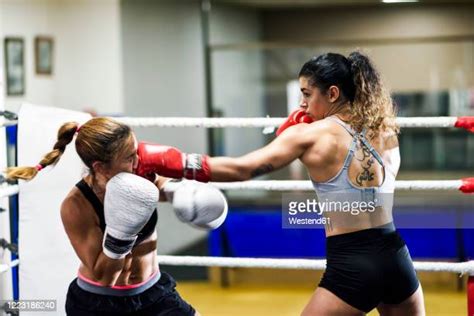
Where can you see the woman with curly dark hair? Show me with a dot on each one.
(346, 136)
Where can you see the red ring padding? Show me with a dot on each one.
(470, 295)
(467, 186)
(466, 122)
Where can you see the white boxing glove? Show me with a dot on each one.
(199, 204)
(129, 202)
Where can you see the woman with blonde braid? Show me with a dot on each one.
(350, 148)
(110, 218)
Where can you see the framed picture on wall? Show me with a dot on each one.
(15, 65)
(44, 55)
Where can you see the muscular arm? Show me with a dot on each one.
(279, 153)
(86, 237)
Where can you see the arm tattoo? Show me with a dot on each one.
(263, 169)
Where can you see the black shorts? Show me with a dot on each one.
(369, 267)
(161, 299)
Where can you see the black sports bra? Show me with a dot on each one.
(146, 231)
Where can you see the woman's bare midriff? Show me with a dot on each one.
(360, 222)
(139, 265)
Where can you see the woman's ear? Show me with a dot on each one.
(98, 167)
(333, 94)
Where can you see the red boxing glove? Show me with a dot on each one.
(171, 162)
(297, 117)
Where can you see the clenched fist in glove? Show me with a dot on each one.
(296, 117)
(199, 204)
(129, 203)
(170, 162)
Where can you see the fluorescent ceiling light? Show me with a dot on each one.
(398, 1)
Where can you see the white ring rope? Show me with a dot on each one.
(207, 122)
(413, 122)
(309, 264)
(220, 122)
(299, 185)
(8, 190)
(305, 185)
(6, 266)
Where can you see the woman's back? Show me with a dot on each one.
(350, 167)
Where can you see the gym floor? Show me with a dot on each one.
(212, 300)
(251, 294)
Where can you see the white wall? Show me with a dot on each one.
(163, 66)
(237, 76)
(238, 81)
(164, 76)
(87, 54)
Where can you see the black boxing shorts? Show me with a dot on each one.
(159, 299)
(369, 267)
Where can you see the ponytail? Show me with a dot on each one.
(65, 136)
(372, 107)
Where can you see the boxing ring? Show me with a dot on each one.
(31, 259)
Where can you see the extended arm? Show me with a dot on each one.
(171, 162)
(278, 154)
